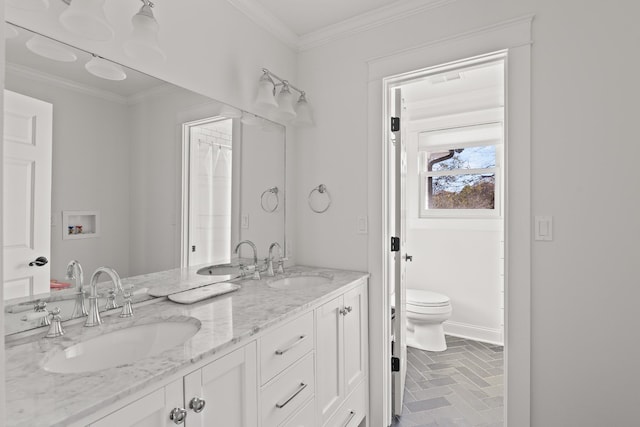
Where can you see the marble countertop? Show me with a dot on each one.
(39, 398)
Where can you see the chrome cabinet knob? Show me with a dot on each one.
(178, 415)
(346, 310)
(197, 404)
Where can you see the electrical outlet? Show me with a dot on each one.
(363, 226)
(244, 221)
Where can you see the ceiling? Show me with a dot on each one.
(306, 16)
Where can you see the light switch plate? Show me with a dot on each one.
(543, 228)
(244, 221)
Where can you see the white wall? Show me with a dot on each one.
(583, 105)
(90, 173)
(2, 75)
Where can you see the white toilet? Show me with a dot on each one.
(426, 311)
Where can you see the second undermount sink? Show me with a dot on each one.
(121, 347)
(298, 282)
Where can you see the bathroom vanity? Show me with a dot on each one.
(281, 351)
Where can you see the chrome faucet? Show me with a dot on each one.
(74, 271)
(280, 269)
(93, 318)
(256, 273)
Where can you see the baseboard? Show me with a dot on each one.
(473, 332)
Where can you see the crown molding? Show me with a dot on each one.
(267, 20)
(366, 21)
(43, 77)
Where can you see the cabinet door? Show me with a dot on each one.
(330, 358)
(229, 388)
(355, 337)
(150, 411)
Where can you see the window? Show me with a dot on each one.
(459, 171)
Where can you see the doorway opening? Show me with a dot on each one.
(445, 176)
(207, 205)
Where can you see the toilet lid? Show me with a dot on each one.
(426, 298)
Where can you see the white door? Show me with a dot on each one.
(228, 388)
(400, 258)
(26, 195)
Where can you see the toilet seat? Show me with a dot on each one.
(421, 298)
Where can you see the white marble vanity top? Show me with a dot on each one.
(39, 398)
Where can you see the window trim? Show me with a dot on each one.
(496, 212)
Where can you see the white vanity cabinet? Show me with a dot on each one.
(310, 371)
(341, 351)
(228, 387)
(149, 411)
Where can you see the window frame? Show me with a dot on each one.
(423, 176)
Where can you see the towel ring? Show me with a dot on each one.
(321, 189)
(268, 192)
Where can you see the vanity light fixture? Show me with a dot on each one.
(104, 69)
(143, 43)
(283, 108)
(86, 18)
(49, 49)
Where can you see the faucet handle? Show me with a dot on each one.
(111, 300)
(55, 330)
(280, 269)
(127, 307)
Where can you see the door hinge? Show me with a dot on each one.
(395, 364)
(395, 124)
(395, 244)
(193, 248)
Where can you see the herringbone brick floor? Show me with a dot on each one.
(461, 387)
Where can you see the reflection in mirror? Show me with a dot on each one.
(137, 174)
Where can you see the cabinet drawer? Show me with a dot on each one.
(286, 393)
(352, 411)
(304, 418)
(283, 346)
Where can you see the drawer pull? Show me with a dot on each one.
(349, 418)
(298, 341)
(297, 392)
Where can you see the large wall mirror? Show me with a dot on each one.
(109, 166)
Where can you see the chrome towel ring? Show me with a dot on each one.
(321, 189)
(265, 200)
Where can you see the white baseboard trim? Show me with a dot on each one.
(473, 332)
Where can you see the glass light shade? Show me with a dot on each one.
(230, 112)
(50, 49)
(10, 32)
(104, 69)
(86, 18)
(29, 4)
(143, 43)
(265, 101)
(303, 110)
(285, 102)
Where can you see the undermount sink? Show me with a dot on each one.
(298, 282)
(121, 347)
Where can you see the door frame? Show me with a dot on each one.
(514, 37)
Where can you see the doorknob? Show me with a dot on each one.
(408, 258)
(39, 262)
